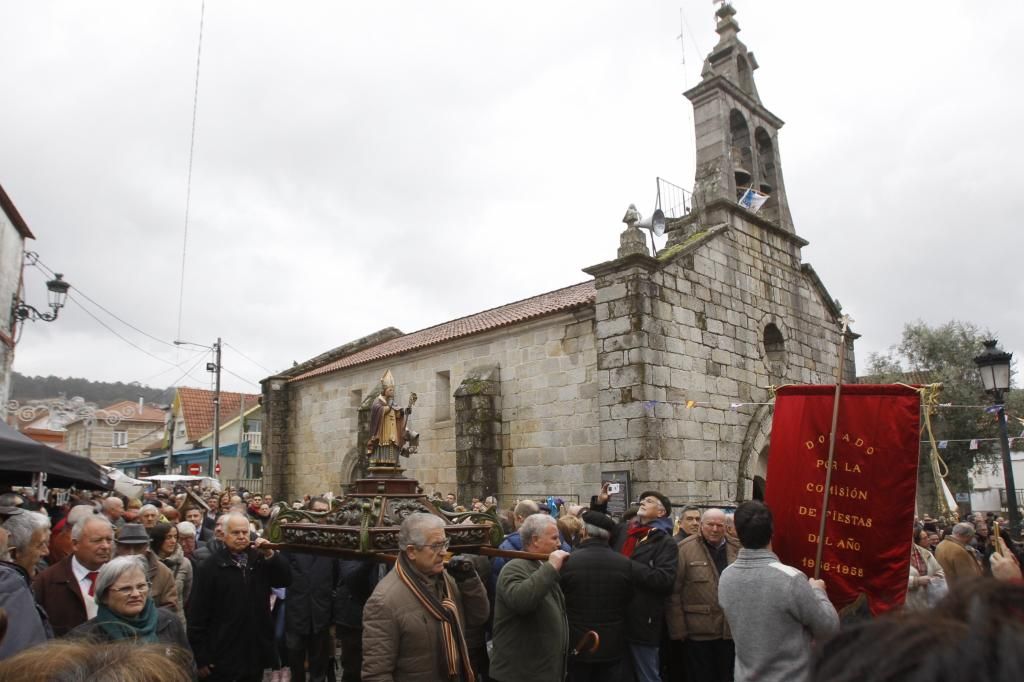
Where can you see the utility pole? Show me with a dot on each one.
(239, 462)
(216, 411)
(215, 368)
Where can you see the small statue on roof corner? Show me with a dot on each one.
(390, 435)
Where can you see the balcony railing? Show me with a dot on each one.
(255, 440)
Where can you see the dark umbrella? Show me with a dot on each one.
(21, 458)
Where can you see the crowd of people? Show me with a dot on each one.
(182, 585)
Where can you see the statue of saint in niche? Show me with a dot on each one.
(389, 427)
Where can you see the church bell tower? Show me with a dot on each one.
(738, 162)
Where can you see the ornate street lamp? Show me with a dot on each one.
(994, 365)
(57, 296)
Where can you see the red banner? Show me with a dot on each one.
(870, 512)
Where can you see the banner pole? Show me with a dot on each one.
(831, 447)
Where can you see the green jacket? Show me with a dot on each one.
(531, 634)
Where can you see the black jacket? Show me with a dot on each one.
(654, 575)
(597, 583)
(229, 625)
(356, 580)
(204, 551)
(308, 609)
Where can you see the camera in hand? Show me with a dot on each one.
(460, 567)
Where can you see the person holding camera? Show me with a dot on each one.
(414, 622)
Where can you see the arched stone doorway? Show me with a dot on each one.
(753, 465)
(759, 474)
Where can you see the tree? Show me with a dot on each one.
(945, 354)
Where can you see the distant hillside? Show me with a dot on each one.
(99, 392)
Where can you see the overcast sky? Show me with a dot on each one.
(363, 165)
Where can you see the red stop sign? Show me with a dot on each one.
(195, 469)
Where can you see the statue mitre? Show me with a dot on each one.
(387, 381)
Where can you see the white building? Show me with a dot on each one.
(988, 487)
(13, 233)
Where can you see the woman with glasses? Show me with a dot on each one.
(125, 610)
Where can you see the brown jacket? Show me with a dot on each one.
(401, 641)
(957, 561)
(56, 590)
(163, 589)
(693, 611)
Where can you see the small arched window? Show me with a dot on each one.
(774, 349)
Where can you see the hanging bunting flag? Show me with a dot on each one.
(753, 199)
(690, 404)
(872, 489)
(943, 444)
(993, 409)
(974, 444)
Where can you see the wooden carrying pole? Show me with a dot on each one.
(831, 447)
(390, 558)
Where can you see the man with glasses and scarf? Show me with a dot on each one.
(414, 623)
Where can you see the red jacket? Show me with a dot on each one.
(56, 590)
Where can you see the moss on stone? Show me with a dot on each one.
(673, 251)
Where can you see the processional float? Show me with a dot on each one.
(365, 523)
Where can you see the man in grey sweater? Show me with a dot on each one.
(774, 611)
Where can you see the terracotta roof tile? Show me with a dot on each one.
(197, 408)
(575, 296)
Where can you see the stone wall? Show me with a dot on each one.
(547, 431)
(690, 326)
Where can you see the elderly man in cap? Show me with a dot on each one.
(647, 540)
(695, 618)
(598, 587)
(133, 539)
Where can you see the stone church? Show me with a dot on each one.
(654, 372)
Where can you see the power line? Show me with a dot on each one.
(200, 353)
(189, 370)
(112, 331)
(78, 290)
(238, 376)
(191, 156)
(249, 358)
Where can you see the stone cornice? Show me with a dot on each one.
(705, 89)
(637, 260)
(752, 217)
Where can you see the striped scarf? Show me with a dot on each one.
(447, 613)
